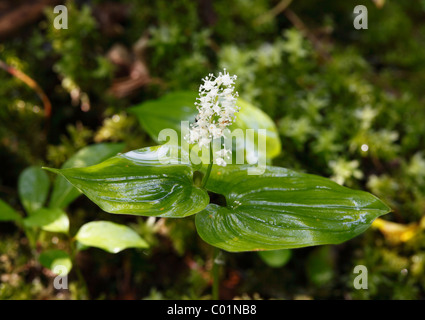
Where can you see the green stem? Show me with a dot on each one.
(32, 236)
(215, 275)
(77, 269)
(215, 268)
(207, 174)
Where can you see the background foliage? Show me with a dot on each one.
(349, 105)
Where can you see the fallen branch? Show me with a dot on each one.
(32, 84)
(269, 15)
(299, 24)
(22, 15)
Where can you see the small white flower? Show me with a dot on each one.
(193, 135)
(204, 142)
(220, 161)
(224, 153)
(216, 132)
(217, 107)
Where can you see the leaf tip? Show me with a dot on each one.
(57, 171)
(385, 208)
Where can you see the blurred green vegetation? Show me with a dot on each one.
(349, 105)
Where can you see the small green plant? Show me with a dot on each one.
(235, 210)
(49, 216)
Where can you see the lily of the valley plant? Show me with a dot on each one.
(217, 108)
(278, 209)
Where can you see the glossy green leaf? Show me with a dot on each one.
(33, 188)
(276, 258)
(56, 260)
(7, 213)
(49, 219)
(166, 112)
(141, 182)
(283, 209)
(251, 117)
(109, 236)
(170, 110)
(63, 192)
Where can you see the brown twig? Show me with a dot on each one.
(269, 15)
(17, 14)
(32, 84)
(299, 24)
(282, 6)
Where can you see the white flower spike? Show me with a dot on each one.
(217, 107)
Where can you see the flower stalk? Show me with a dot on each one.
(207, 174)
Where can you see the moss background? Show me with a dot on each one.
(349, 105)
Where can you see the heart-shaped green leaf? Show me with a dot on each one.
(166, 112)
(170, 110)
(63, 192)
(49, 219)
(33, 188)
(109, 236)
(251, 117)
(7, 213)
(283, 209)
(56, 260)
(150, 182)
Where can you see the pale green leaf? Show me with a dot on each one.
(56, 260)
(49, 219)
(7, 213)
(33, 188)
(276, 258)
(109, 236)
